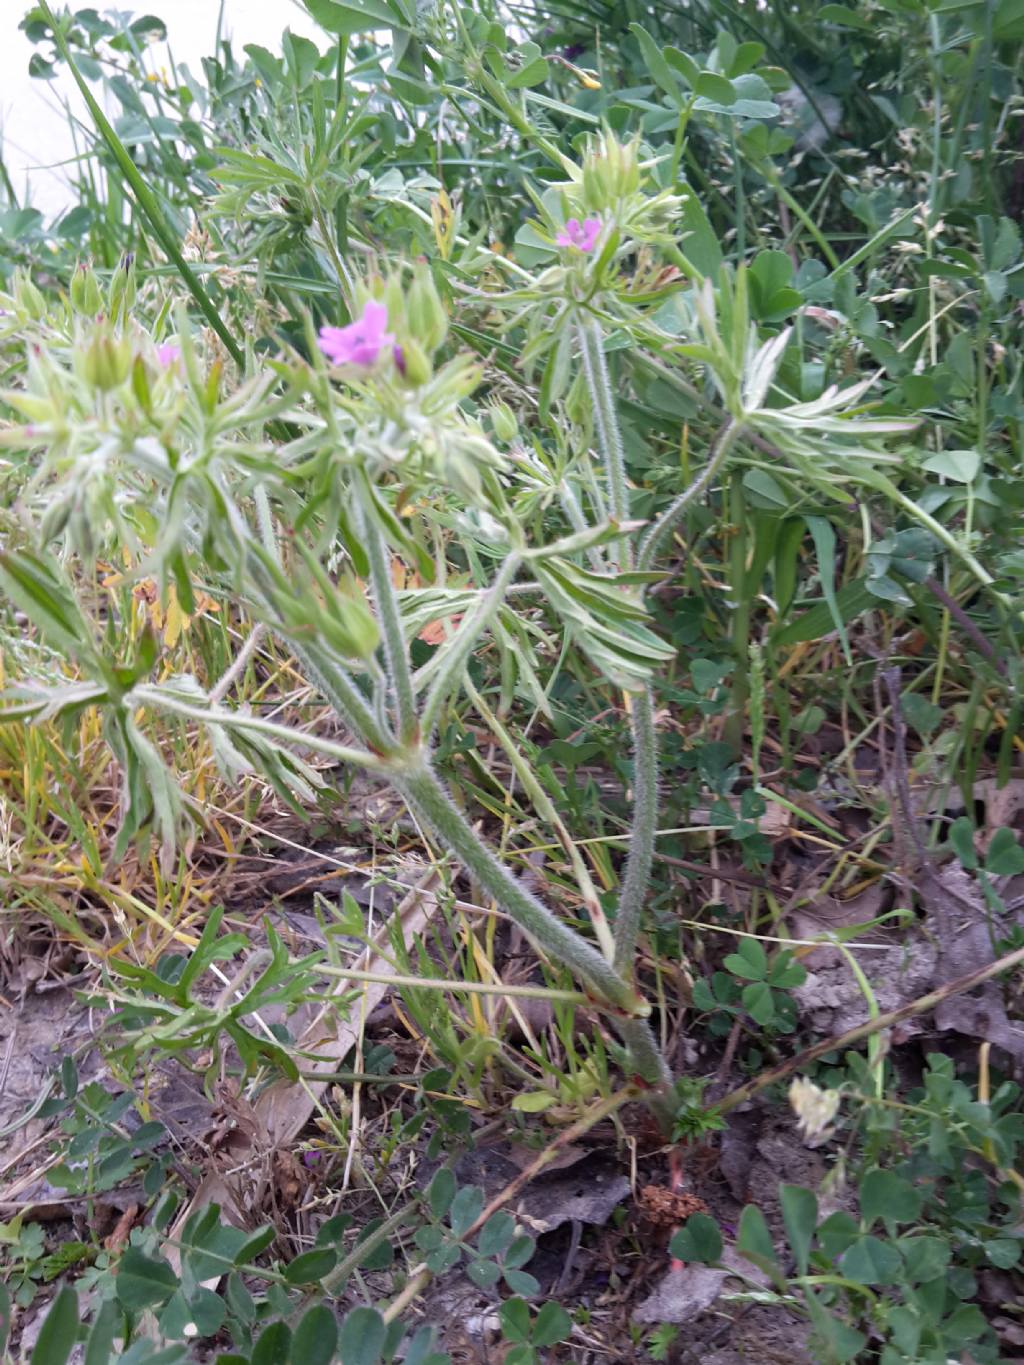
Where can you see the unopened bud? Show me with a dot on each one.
(611, 172)
(122, 287)
(85, 292)
(107, 361)
(428, 319)
(393, 299)
(413, 363)
(29, 298)
(503, 422)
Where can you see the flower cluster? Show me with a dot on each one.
(814, 1108)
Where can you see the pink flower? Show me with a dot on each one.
(583, 236)
(361, 342)
(168, 354)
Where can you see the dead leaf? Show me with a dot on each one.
(960, 918)
(118, 1239)
(684, 1293)
(1003, 804)
(687, 1291)
(290, 1180)
(775, 821)
(590, 1197)
(522, 1157)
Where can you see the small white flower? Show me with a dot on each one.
(815, 1108)
(190, 1330)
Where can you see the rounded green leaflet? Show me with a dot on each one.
(698, 1240)
(273, 1347)
(142, 1281)
(362, 1337)
(316, 1337)
(887, 1196)
(872, 1261)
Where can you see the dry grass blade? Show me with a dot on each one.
(282, 1111)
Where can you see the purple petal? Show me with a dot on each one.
(375, 319)
(361, 342)
(583, 236)
(589, 234)
(168, 354)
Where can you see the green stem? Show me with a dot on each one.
(637, 876)
(386, 601)
(775, 180)
(457, 650)
(521, 123)
(335, 1282)
(655, 535)
(733, 730)
(428, 800)
(146, 695)
(346, 284)
(606, 423)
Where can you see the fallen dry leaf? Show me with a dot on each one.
(959, 915)
(589, 1197)
(118, 1239)
(687, 1291)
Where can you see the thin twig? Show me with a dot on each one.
(921, 1005)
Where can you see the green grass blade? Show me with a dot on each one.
(145, 198)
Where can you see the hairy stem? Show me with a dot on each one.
(606, 426)
(732, 731)
(457, 650)
(653, 538)
(649, 1065)
(386, 601)
(428, 800)
(637, 876)
(546, 809)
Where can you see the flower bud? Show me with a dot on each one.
(122, 286)
(107, 361)
(426, 314)
(503, 422)
(414, 365)
(28, 297)
(393, 299)
(85, 292)
(611, 171)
